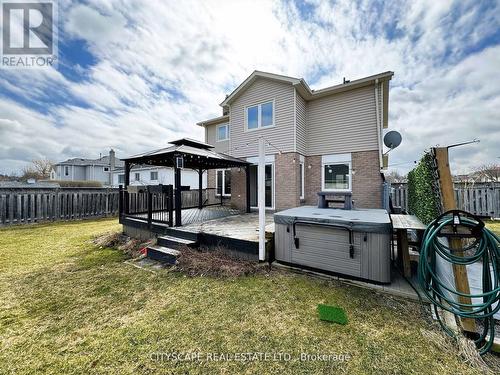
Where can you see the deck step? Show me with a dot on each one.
(172, 232)
(175, 242)
(163, 254)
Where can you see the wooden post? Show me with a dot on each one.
(170, 205)
(247, 187)
(200, 188)
(127, 183)
(120, 202)
(448, 198)
(178, 198)
(150, 208)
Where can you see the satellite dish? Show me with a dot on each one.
(392, 139)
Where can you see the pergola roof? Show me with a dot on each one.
(196, 155)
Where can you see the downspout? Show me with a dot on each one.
(294, 119)
(379, 129)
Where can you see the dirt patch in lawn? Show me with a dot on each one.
(215, 262)
(116, 240)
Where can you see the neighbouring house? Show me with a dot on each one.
(317, 140)
(109, 170)
(80, 169)
(153, 175)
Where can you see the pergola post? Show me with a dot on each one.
(127, 183)
(247, 188)
(178, 197)
(200, 186)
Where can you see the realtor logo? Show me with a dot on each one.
(28, 34)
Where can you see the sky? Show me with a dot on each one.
(133, 75)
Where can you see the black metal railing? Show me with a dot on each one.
(153, 204)
(156, 203)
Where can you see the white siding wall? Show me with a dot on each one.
(345, 122)
(96, 173)
(165, 177)
(281, 135)
(301, 125)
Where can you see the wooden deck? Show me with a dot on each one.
(240, 226)
(192, 215)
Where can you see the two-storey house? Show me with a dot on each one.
(317, 140)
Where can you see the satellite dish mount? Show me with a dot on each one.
(392, 140)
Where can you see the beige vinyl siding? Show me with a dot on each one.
(345, 122)
(222, 146)
(281, 135)
(301, 124)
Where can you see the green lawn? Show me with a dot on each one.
(70, 307)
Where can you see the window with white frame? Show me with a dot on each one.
(260, 116)
(336, 173)
(153, 176)
(222, 132)
(137, 177)
(121, 178)
(301, 173)
(223, 182)
(66, 170)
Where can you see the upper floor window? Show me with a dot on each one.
(121, 178)
(222, 132)
(154, 176)
(106, 169)
(260, 116)
(137, 176)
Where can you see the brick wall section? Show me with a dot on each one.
(366, 180)
(312, 179)
(238, 189)
(238, 186)
(287, 175)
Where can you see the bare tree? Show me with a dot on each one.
(395, 177)
(487, 172)
(38, 169)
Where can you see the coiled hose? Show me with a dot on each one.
(484, 248)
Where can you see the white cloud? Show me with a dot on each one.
(162, 66)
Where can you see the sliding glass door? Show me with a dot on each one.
(269, 185)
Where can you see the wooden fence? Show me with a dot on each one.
(479, 199)
(32, 205)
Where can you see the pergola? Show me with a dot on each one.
(188, 153)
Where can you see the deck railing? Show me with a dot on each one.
(33, 205)
(156, 203)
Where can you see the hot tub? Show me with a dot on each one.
(349, 242)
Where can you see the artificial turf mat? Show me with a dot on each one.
(332, 314)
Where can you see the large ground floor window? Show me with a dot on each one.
(223, 182)
(336, 173)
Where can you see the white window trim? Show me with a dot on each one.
(223, 183)
(217, 132)
(273, 195)
(135, 176)
(151, 175)
(259, 115)
(336, 159)
(303, 170)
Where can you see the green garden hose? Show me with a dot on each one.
(483, 246)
